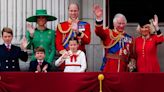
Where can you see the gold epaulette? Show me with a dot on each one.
(114, 40)
(61, 30)
(62, 51)
(111, 44)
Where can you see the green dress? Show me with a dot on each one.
(45, 39)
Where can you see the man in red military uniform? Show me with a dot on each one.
(117, 43)
(72, 28)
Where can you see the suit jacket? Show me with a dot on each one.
(33, 66)
(9, 59)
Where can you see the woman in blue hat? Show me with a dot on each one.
(41, 36)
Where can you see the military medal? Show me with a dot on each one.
(125, 39)
(81, 28)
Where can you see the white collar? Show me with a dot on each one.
(8, 45)
(78, 52)
(40, 61)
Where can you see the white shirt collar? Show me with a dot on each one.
(7, 45)
(40, 60)
(78, 52)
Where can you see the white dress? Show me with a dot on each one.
(73, 64)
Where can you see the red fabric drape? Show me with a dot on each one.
(80, 82)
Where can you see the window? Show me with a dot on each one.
(133, 9)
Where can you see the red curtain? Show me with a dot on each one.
(80, 82)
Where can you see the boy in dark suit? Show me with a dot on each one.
(39, 65)
(9, 53)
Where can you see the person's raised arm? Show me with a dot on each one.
(29, 34)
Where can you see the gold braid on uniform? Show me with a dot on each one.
(63, 32)
(115, 39)
(63, 37)
(68, 38)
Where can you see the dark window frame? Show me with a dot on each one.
(132, 12)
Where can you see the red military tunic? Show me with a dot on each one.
(146, 52)
(118, 47)
(64, 31)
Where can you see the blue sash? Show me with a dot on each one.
(66, 45)
(81, 25)
(116, 48)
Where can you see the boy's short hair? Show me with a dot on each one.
(73, 39)
(7, 30)
(39, 49)
(74, 4)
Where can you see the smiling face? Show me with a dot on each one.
(41, 20)
(7, 37)
(120, 24)
(40, 55)
(73, 45)
(73, 11)
(145, 30)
